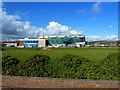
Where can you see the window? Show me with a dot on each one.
(34, 41)
(27, 41)
(30, 41)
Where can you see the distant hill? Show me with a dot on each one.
(103, 42)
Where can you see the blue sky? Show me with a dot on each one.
(97, 20)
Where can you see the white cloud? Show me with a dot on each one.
(56, 28)
(82, 11)
(13, 28)
(96, 7)
(99, 38)
(110, 26)
(75, 32)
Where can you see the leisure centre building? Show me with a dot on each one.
(54, 40)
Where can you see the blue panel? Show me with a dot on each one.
(31, 42)
(10, 45)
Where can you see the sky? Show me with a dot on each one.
(96, 20)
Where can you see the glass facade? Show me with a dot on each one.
(56, 40)
(60, 40)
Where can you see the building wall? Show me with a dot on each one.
(42, 42)
(32, 42)
(21, 43)
(80, 44)
(28, 42)
(8, 44)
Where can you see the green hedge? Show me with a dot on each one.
(109, 67)
(34, 66)
(9, 64)
(68, 66)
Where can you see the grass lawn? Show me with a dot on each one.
(95, 54)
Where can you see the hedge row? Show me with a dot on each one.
(68, 66)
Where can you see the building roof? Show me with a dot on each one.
(9, 41)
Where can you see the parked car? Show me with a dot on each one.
(75, 46)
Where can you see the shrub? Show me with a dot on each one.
(71, 66)
(109, 67)
(34, 66)
(9, 64)
(68, 66)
